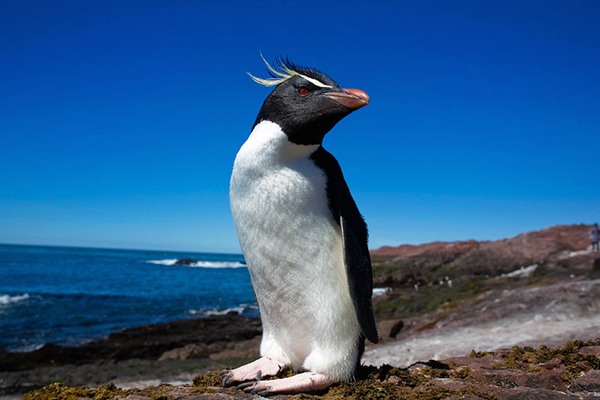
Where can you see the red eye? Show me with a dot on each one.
(303, 91)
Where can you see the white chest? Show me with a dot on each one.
(275, 184)
(279, 203)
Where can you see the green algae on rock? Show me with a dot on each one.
(570, 356)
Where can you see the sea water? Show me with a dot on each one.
(69, 296)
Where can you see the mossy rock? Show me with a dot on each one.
(422, 381)
(58, 391)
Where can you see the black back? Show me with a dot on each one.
(355, 238)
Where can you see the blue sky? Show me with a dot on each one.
(120, 120)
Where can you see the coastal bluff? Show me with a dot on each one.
(517, 318)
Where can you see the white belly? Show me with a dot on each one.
(294, 251)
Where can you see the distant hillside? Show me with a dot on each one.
(495, 256)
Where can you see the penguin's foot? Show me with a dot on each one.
(255, 370)
(301, 383)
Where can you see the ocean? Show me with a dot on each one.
(70, 296)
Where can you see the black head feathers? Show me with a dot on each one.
(305, 102)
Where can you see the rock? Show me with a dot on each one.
(596, 266)
(148, 342)
(246, 349)
(590, 351)
(186, 261)
(517, 373)
(589, 382)
(495, 257)
(446, 248)
(199, 350)
(396, 328)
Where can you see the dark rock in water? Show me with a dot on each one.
(186, 261)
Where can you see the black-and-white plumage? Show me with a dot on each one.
(302, 235)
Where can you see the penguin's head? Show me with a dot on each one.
(306, 103)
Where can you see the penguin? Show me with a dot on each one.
(303, 237)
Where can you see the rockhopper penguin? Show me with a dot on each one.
(303, 238)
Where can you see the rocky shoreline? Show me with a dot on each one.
(168, 352)
(517, 318)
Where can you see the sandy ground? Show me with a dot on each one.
(488, 337)
(548, 315)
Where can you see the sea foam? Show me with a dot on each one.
(200, 264)
(249, 310)
(6, 299)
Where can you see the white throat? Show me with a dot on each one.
(268, 142)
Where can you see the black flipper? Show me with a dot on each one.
(355, 238)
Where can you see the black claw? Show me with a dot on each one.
(226, 375)
(259, 391)
(225, 372)
(246, 386)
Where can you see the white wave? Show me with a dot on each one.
(218, 264)
(206, 312)
(216, 311)
(6, 299)
(200, 264)
(170, 261)
(28, 348)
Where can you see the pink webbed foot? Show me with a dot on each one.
(255, 370)
(301, 383)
